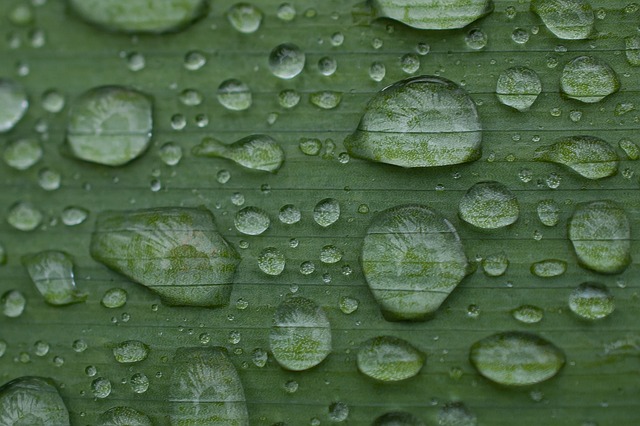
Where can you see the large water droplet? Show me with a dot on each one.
(601, 236)
(32, 401)
(300, 337)
(130, 351)
(234, 95)
(397, 418)
(566, 19)
(110, 125)
(176, 252)
(256, 152)
(489, 205)
(418, 122)
(412, 258)
(13, 104)
(52, 273)
(588, 79)
(245, 17)
(286, 61)
(589, 156)
(549, 268)
(389, 359)
(591, 301)
(326, 212)
(121, 416)
(140, 16)
(518, 87)
(22, 153)
(516, 358)
(206, 389)
(433, 15)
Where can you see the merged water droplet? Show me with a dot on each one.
(13, 303)
(566, 19)
(286, 61)
(252, 220)
(13, 104)
(549, 268)
(418, 122)
(389, 359)
(548, 212)
(140, 16)
(495, 265)
(256, 152)
(489, 205)
(326, 212)
(206, 389)
(516, 358)
(130, 351)
(32, 401)
(588, 79)
(456, 414)
(528, 314)
(52, 273)
(589, 156)
(601, 236)
(412, 258)
(326, 99)
(271, 261)
(245, 17)
(22, 153)
(176, 252)
(122, 415)
(300, 337)
(110, 125)
(234, 95)
(591, 301)
(439, 15)
(518, 87)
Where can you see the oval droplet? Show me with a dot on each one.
(528, 314)
(271, 261)
(286, 61)
(433, 15)
(101, 387)
(13, 104)
(245, 17)
(252, 221)
(32, 401)
(130, 351)
(412, 258)
(588, 79)
(548, 212)
(13, 303)
(518, 87)
(234, 95)
(256, 152)
(389, 359)
(175, 252)
(397, 418)
(300, 337)
(22, 153)
(110, 125)
(489, 205)
(422, 121)
(591, 301)
(326, 99)
(601, 236)
(589, 156)
(549, 268)
(122, 415)
(326, 212)
(495, 265)
(566, 19)
(114, 298)
(52, 273)
(516, 358)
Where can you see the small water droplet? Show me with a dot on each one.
(234, 95)
(326, 212)
(286, 61)
(252, 221)
(489, 205)
(591, 301)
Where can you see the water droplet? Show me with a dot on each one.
(300, 337)
(79, 346)
(438, 15)
(206, 389)
(307, 268)
(398, 418)
(330, 254)
(325, 99)
(187, 262)
(110, 125)
(259, 357)
(591, 301)
(601, 236)
(286, 12)
(73, 216)
(588, 79)
(41, 348)
(516, 358)
(348, 305)
(22, 153)
(337, 39)
(632, 50)
(569, 20)
(13, 104)
(288, 98)
(245, 17)
(130, 351)
(310, 147)
(291, 386)
(24, 216)
(327, 65)
(389, 359)
(589, 156)
(412, 258)
(548, 212)
(410, 63)
(252, 221)
(123, 416)
(518, 87)
(630, 148)
(13, 303)
(326, 212)
(489, 205)
(271, 261)
(286, 61)
(476, 39)
(114, 298)
(101, 387)
(256, 152)
(456, 414)
(528, 314)
(21, 14)
(52, 273)
(377, 71)
(289, 214)
(234, 95)
(495, 265)
(32, 401)
(549, 268)
(338, 412)
(419, 122)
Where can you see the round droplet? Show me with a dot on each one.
(139, 383)
(310, 147)
(566, 19)
(410, 63)
(489, 205)
(632, 50)
(397, 418)
(330, 254)
(13, 303)
(24, 216)
(528, 314)
(194, 60)
(41, 348)
(433, 15)
(389, 359)
(588, 79)
(326, 99)
(22, 153)
(117, 416)
(300, 337)
(476, 39)
(170, 153)
(245, 17)
(548, 212)
(348, 305)
(79, 346)
(338, 412)
(601, 236)
(377, 71)
(114, 298)
(591, 301)
(234, 95)
(53, 101)
(518, 87)
(495, 265)
(307, 268)
(73, 216)
(286, 12)
(271, 261)
(110, 125)
(327, 65)
(326, 212)
(288, 98)
(520, 36)
(289, 214)
(286, 61)
(13, 104)
(101, 387)
(252, 221)
(549, 268)
(456, 414)
(423, 121)
(516, 358)
(130, 351)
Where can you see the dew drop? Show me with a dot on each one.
(271, 261)
(489, 205)
(389, 359)
(13, 104)
(518, 87)
(245, 17)
(591, 301)
(286, 61)
(252, 221)
(234, 95)
(588, 79)
(326, 212)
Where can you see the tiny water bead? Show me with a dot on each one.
(256, 152)
(252, 221)
(326, 212)
(130, 351)
(549, 268)
(495, 265)
(114, 298)
(566, 19)
(13, 303)
(32, 400)
(591, 301)
(528, 314)
(271, 261)
(245, 17)
(286, 61)
(389, 359)
(122, 415)
(438, 15)
(489, 205)
(588, 79)
(289, 214)
(518, 87)
(74, 216)
(52, 273)
(13, 104)
(234, 95)
(21, 154)
(589, 156)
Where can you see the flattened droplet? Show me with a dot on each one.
(433, 14)
(516, 358)
(489, 205)
(256, 152)
(110, 125)
(140, 16)
(389, 359)
(589, 156)
(591, 301)
(422, 121)
(52, 273)
(566, 19)
(528, 314)
(123, 416)
(176, 252)
(412, 258)
(601, 236)
(130, 351)
(549, 268)
(32, 401)
(588, 79)
(206, 389)
(300, 337)
(13, 104)
(518, 87)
